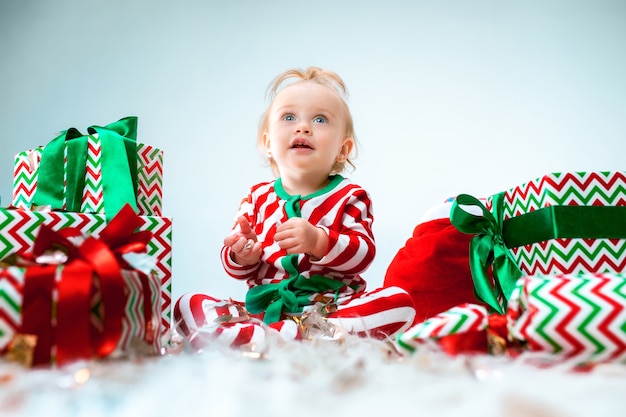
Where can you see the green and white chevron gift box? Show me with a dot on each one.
(575, 315)
(560, 223)
(590, 238)
(92, 173)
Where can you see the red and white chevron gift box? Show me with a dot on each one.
(580, 316)
(596, 241)
(140, 320)
(19, 229)
(149, 178)
(572, 315)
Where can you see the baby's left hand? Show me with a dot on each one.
(297, 235)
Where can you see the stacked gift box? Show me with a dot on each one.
(101, 189)
(547, 259)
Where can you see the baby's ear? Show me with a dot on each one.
(265, 140)
(266, 145)
(346, 147)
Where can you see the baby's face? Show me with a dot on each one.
(307, 129)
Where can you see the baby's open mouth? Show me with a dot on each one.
(301, 145)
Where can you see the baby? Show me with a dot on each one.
(302, 241)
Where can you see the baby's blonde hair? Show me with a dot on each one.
(313, 74)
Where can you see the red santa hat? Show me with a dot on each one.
(433, 265)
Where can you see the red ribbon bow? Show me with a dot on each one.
(93, 265)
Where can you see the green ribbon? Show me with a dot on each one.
(289, 295)
(487, 248)
(292, 206)
(293, 293)
(118, 143)
(51, 190)
(494, 237)
(565, 222)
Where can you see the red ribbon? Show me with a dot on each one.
(72, 332)
(37, 308)
(468, 342)
(491, 339)
(94, 264)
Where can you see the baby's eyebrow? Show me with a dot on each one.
(283, 109)
(322, 110)
(314, 110)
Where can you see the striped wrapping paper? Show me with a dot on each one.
(134, 326)
(571, 315)
(19, 229)
(149, 179)
(568, 255)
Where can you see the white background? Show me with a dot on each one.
(448, 97)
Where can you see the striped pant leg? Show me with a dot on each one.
(193, 311)
(287, 330)
(380, 313)
(197, 318)
(252, 335)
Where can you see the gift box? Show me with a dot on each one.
(576, 316)
(94, 173)
(19, 230)
(561, 223)
(589, 238)
(571, 314)
(28, 305)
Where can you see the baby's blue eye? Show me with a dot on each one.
(320, 119)
(289, 118)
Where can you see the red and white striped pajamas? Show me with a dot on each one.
(344, 211)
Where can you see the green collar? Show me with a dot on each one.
(280, 191)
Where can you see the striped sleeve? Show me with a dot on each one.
(351, 246)
(232, 268)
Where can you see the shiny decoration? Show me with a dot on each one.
(314, 325)
(22, 349)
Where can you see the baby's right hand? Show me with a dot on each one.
(245, 249)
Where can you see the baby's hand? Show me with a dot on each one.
(297, 235)
(245, 249)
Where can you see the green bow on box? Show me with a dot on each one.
(494, 237)
(118, 143)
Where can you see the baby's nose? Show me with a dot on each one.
(303, 127)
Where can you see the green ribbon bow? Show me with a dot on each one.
(289, 295)
(487, 248)
(118, 143)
